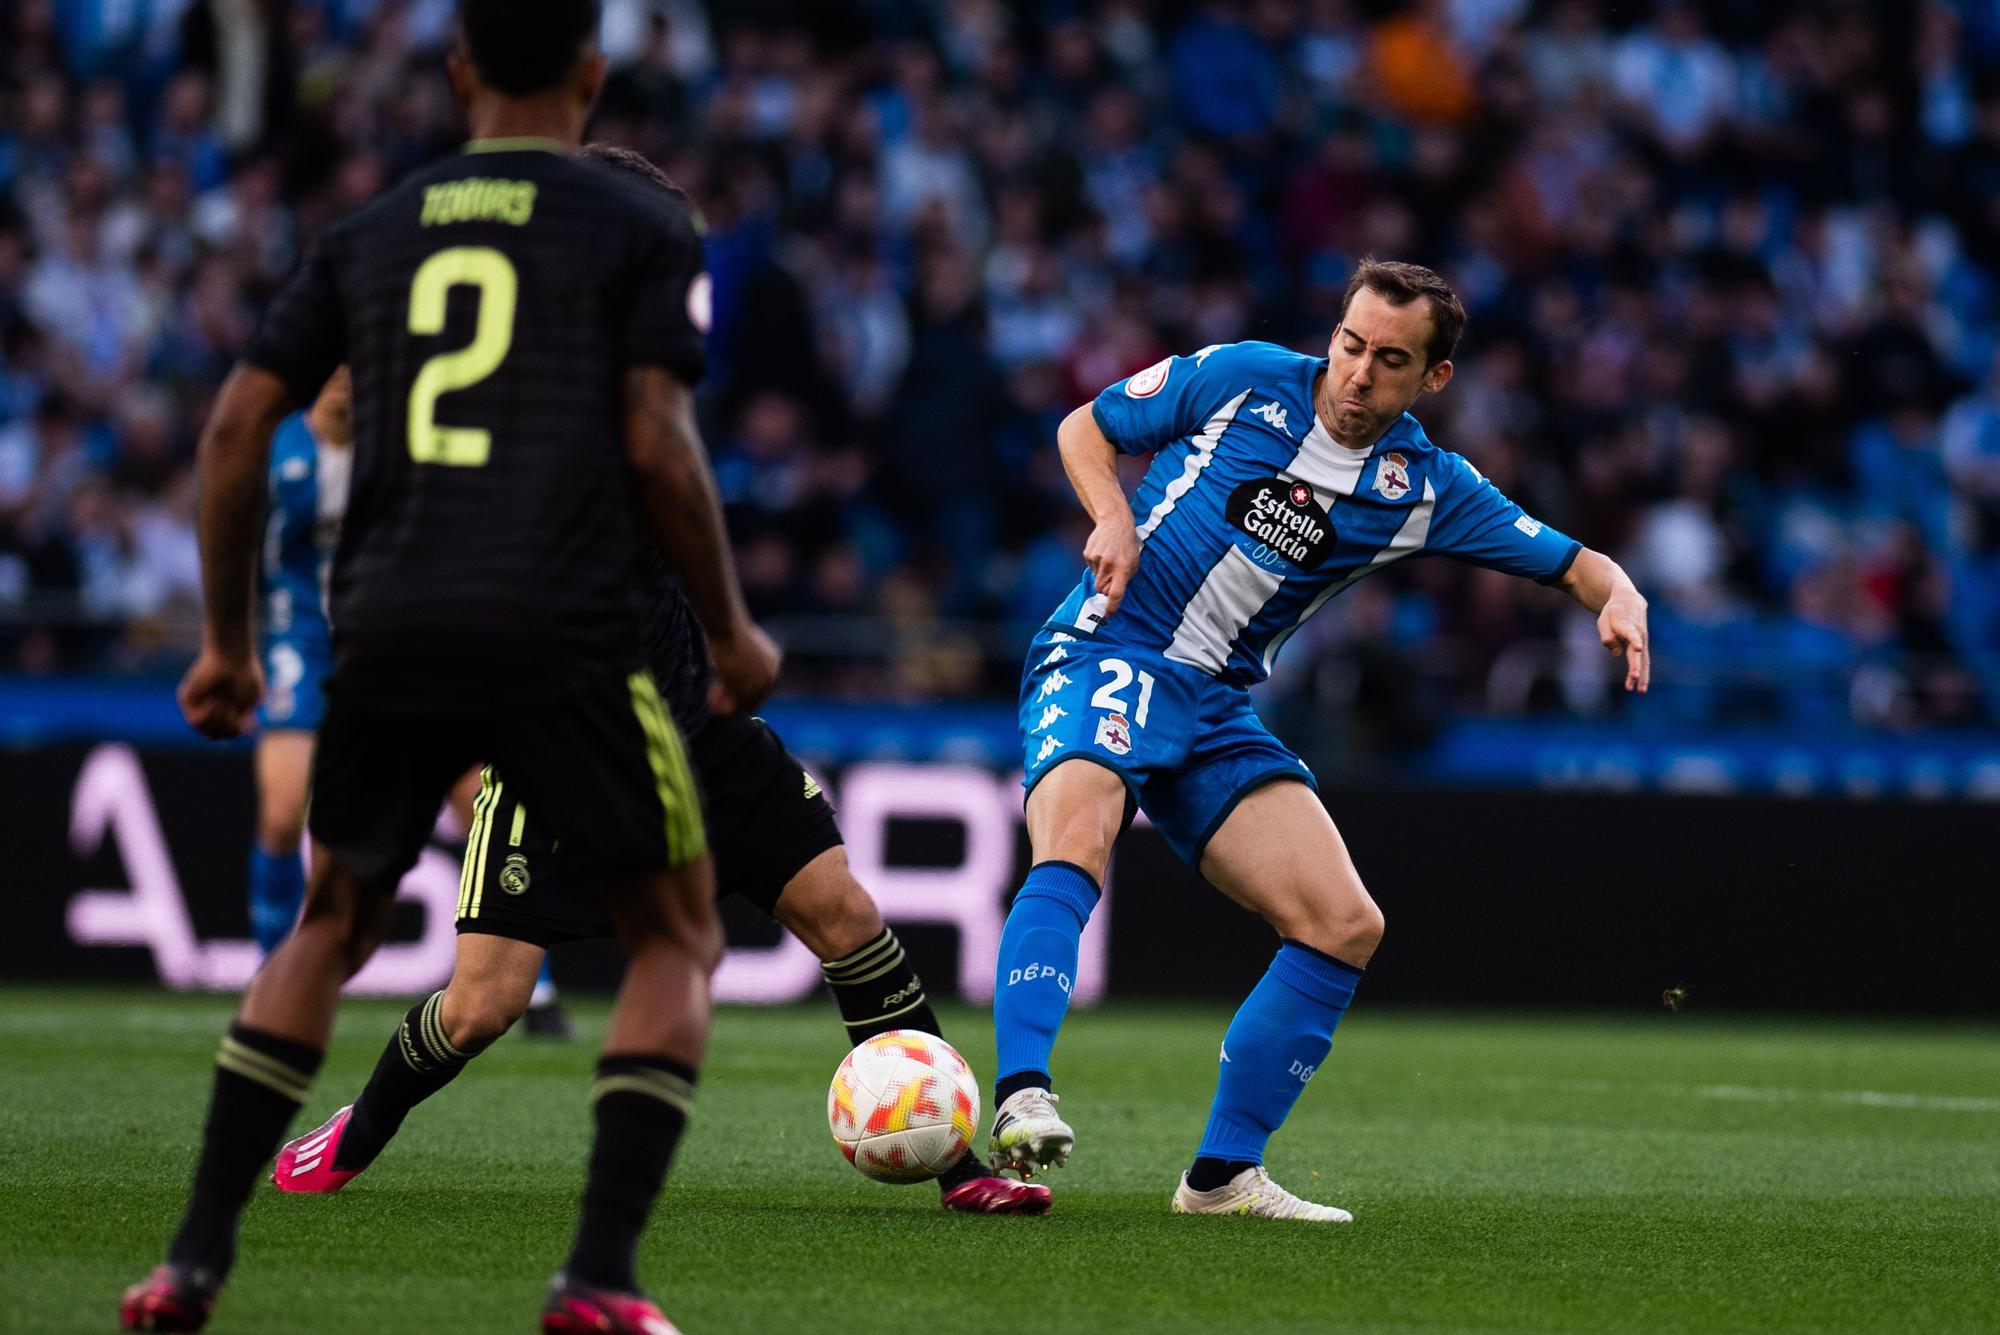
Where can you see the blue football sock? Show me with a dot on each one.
(1279, 1037)
(545, 986)
(1038, 950)
(277, 886)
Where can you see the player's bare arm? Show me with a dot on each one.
(1090, 459)
(675, 481)
(220, 691)
(1597, 581)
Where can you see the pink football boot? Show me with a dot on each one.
(305, 1165)
(578, 1309)
(998, 1195)
(169, 1299)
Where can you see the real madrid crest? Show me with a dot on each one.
(514, 877)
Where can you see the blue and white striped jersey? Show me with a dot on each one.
(308, 493)
(1252, 515)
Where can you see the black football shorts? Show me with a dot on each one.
(767, 819)
(603, 767)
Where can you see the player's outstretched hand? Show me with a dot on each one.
(219, 694)
(1112, 553)
(746, 668)
(1622, 628)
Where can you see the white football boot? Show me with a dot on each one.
(1027, 1134)
(1253, 1194)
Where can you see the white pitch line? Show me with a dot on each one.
(1866, 1098)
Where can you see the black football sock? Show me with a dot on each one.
(1208, 1174)
(642, 1106)
(1008, 1086)
(260, 1081)
(967, 1169)
(877, 990)
(417, 1063)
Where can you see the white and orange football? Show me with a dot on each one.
(903, 1107)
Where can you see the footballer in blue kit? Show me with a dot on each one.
(310, 454)
(1277, 480)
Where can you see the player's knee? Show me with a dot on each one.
(342, 920)
(475, 1022)
(279, 832)
(1349, 930)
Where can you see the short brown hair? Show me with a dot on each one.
(1399, 284)
(632, 164)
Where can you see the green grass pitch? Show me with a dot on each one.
(1508, 1173)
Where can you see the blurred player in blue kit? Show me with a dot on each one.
(1277, 481)
(311, 454)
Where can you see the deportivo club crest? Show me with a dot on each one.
(1392, 476)
(514, 877)
(1114, 734)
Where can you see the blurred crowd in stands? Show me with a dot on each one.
(1731, 270)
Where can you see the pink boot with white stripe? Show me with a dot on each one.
(306, 1166)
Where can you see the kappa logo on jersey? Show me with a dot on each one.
(1145, 384)
(1392, 476)
(1114, 734)
(1050, 715)
(1050, 745)
(1274, 413)
(1531, 527)
(1201, 358)
(1278, 522)
(1055, 683)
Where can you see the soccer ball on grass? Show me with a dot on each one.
(903, 1107)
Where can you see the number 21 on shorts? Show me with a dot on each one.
(1110, 694)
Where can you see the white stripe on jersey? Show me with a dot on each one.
(1092, 612)
(1409, 540)
(1326, 464)
(1198, 458)
(1237, 587)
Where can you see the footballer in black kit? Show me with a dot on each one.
(774, 842)
(516, 324)
(488, 305)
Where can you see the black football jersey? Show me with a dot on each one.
(489, 306)
(676, 646)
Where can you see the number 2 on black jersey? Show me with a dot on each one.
(492, 274)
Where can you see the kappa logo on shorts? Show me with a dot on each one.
(1050, 745)
(1056, 681)
(1056, 655)
(1114, 734)
(514, 877)
(1050, 715)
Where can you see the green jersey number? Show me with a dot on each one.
(492, 273)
